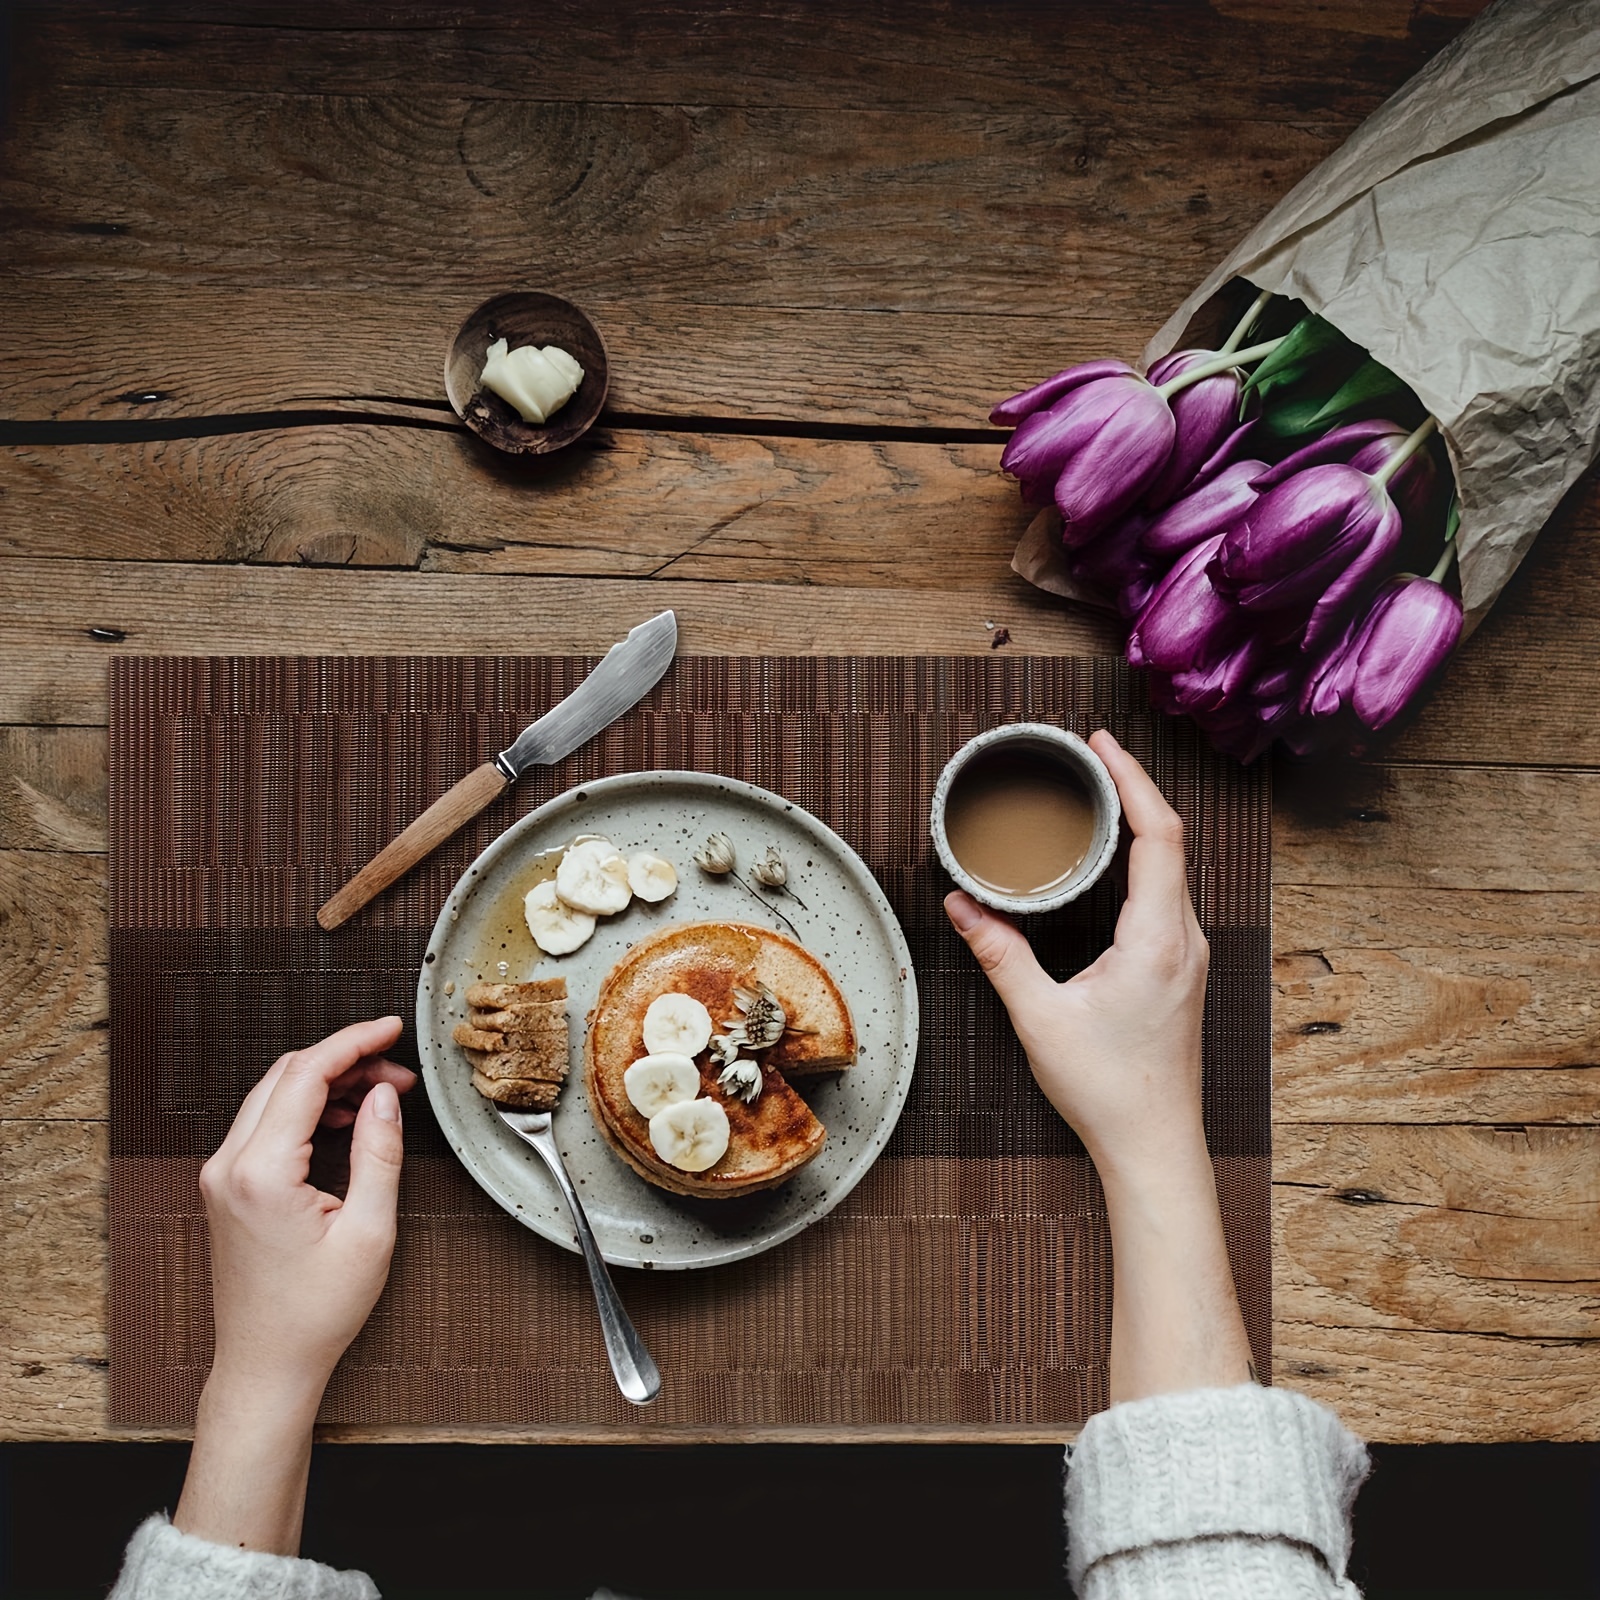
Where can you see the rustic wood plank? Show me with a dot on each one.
(54, 1272)
(953, 212)
(1446, 827)
(1417, 1386)
(52, 789)
(1435, 1006)
(138, 353)
(1520, 688)
(632, 503)
(52, 669)
(838, 54)
(1452, 1230)
(54, 998)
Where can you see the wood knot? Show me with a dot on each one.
(110, 635)
(1322, 1027)
(1359, 1197)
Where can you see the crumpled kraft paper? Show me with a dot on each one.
(1456, 236)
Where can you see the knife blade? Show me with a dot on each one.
(629, 670)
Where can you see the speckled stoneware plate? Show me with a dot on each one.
(844, 920)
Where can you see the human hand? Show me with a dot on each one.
(1116, 1048)
(294, 1271)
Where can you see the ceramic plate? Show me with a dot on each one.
(838, 912)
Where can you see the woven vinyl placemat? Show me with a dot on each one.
(964, 1286)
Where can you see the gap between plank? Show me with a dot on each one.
(143, 430)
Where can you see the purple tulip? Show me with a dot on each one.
(1415, 485)
(1273, 698)
(1208, 427)
(1387, 658)
(1309, 548)
(1097, 435)
(1212, 508)
(1117, 565)
(1186, 626)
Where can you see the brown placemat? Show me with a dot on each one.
(964, 1284)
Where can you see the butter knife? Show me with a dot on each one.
(631, 668)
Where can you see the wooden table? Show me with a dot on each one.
(820, 239)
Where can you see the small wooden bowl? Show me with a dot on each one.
(519, 319)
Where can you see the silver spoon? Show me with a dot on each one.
(637, 1375)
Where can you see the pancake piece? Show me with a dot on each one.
(768, 1141)
(517, 1039)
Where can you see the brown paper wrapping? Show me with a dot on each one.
(1456, 237)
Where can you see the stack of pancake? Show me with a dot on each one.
(769, 1140)
(516, 1038)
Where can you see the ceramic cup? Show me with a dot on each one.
(1038, 738)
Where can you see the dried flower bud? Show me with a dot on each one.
(742, 1078)
(725, 1048)
(715, 855)
(770, 869)
(764, 1017)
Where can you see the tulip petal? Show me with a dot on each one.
(1206, 415)
(1212, 508)
(1346, 589)
(1335, 447)
(1105, 477)
(1011, 411)
(1186, 625)
(1401, 648)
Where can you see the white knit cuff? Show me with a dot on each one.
(1209, 1463)
(163, 1564)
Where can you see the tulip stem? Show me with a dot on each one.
(1220, 362)
(1236, 338)
(1442, 566)
(1413, 444)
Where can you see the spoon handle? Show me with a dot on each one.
(637, 1375)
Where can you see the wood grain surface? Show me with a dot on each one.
(820, 241)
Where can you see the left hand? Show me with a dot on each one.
(295, 1272)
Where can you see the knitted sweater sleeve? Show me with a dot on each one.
(163, 1564)
(1229, 1494)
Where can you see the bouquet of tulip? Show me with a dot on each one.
(1264, 595)
(1278, 516)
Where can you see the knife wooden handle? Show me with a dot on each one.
(458, 804)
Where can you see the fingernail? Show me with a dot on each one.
(385, 1102)
(962, 910)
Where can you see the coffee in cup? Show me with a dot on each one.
(1025, 817)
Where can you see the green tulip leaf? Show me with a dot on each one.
(1307, 346)
(1291, 417)
(1370, 383)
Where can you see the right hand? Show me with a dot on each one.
(1116, 1048)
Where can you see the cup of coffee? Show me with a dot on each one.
(1025, 817)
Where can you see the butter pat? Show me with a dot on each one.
(537, 382)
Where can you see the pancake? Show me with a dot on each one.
(768, 1141)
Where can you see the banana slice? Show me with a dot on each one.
(655, 1082)
(556, 928)
(593, 877)
(650, 877)
(691, 1135)
(677, 1022)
